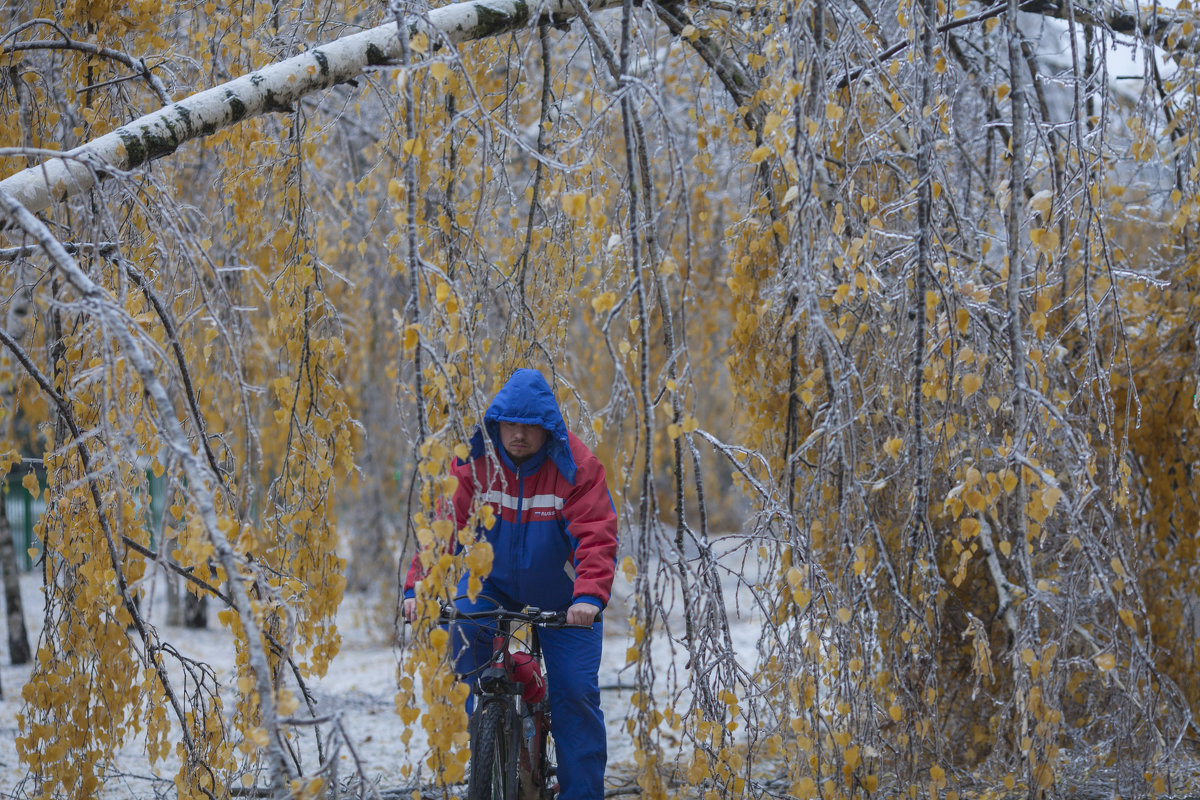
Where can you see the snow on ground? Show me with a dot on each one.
(361, 685)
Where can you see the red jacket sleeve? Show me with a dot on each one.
(591, 520)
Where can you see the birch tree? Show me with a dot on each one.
(878, 314)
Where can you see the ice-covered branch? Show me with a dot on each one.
(273, 88)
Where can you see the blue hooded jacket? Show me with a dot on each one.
(555, 539)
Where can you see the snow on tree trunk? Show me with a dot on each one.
(273, 88)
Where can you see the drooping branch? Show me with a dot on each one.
(272, 89)
(201, 481)
(1155, 28)
(136, 65)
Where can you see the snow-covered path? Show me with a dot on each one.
(361, 687)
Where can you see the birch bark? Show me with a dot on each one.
(272, 89)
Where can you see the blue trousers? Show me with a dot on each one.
(572, 657)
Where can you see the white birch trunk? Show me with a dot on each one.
(273, 88)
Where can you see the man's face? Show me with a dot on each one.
(520, 440)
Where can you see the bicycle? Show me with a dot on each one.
(512, 750)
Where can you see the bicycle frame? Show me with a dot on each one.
(529, 723)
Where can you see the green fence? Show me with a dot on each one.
(23, 510)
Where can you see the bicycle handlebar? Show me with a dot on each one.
(533, 616)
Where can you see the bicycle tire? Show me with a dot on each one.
(494, 747)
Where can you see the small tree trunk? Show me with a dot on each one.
(18, 639)
(195, 610)
(174, 601)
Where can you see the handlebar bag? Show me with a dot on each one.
(527, 670)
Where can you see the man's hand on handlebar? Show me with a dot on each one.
(582, 614)
(409, 609)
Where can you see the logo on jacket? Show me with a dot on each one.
(544, 513)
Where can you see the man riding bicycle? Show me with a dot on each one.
(554, 547)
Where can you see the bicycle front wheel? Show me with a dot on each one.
(494, 747)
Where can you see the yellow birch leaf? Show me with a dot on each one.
(628, 568)
(575, 205)
(971, 383)
(1050, 498)
(603, 302)
(962, 320)
(794, 577)
(892, 448)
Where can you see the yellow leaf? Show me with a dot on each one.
(759, 154)
(892, 448)
(962, 320)
(628, 568)
(794, 577)
(844, 615)
(1038, 320)
(1050, 498)
(604, 302)
(575, 205)
(971, 383)
(438, 69)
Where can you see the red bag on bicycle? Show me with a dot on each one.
(527, 670)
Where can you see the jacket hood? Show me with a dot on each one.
(527, 399)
